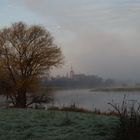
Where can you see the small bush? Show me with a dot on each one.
(129, 116)
(71, 108)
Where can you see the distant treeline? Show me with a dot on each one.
(79, 81)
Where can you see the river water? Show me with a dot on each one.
(90, 100)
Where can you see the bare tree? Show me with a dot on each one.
(26, 54)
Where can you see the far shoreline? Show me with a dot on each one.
(116, 89)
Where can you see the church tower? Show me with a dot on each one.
(71, 72)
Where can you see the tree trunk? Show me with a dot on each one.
(21, 99)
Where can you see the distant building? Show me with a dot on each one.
(72, 73)
(79, 76)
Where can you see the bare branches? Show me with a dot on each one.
(26, 53)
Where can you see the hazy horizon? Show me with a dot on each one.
(100, 37)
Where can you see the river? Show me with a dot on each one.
(90, 100)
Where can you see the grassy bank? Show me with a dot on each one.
(18, 124)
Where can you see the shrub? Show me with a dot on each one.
(129, 116)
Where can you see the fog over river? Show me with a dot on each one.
(88, 99)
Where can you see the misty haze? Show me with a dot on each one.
(70, 69)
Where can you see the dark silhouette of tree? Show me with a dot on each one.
(27, 53)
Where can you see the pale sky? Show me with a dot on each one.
(96, 36)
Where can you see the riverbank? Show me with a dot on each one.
(20, 124)
(117, 89)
